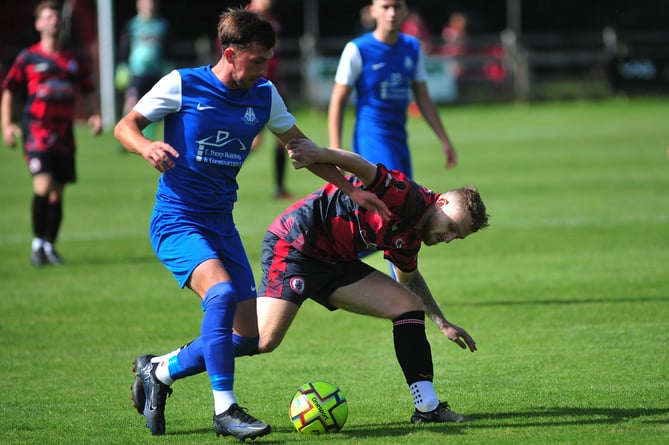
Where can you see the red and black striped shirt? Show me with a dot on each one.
(48, 83)
(329, 227)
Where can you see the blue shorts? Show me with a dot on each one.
(393, 153)
(184, 241)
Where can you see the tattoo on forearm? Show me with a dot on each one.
(416, 284)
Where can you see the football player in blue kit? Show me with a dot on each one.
(384, 68)
(211, 116)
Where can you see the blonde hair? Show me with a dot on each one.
(470, 199)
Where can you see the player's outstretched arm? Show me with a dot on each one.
(329, 172)
(363, 198)
(305, 152)
(415, 282)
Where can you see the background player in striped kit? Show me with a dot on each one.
(47, 76)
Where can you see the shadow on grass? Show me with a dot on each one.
(564, 416)
(558, 417)
(399, 429)
(575, 416)
(639, 299)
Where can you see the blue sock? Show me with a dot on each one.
(189, 361)
(219, 304)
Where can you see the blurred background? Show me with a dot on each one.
(478, 50)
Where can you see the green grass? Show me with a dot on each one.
(566, 293)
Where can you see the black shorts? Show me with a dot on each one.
(289, 275)
(61, 166)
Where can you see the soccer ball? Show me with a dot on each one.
(318, 407)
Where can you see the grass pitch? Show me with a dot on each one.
(566, 293)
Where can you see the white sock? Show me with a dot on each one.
(37, 243)
(424, 397)
(48, 247)
(166, 357)
(163, 373)
(223, 400)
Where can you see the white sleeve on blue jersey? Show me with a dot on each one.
(420, 74)
(350, 65)
(163, 99)
(280, 119)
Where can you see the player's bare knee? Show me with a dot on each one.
(402, 306)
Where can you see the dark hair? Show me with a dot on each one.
(242, 28)
(48, 4)
(471, 200)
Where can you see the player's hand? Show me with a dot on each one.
(371, 202)
(451, 157)
(10, 134)
(304, 152)
(95, 122)
(160, 155)
(459, 336)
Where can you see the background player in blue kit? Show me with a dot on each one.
(384, 68)
(211, 116)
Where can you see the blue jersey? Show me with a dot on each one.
(212, 128)
(383, 76)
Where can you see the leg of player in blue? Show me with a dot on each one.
(183, 362)
(214, 352)
(216, 336)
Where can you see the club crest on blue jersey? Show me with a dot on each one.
(250, 117)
